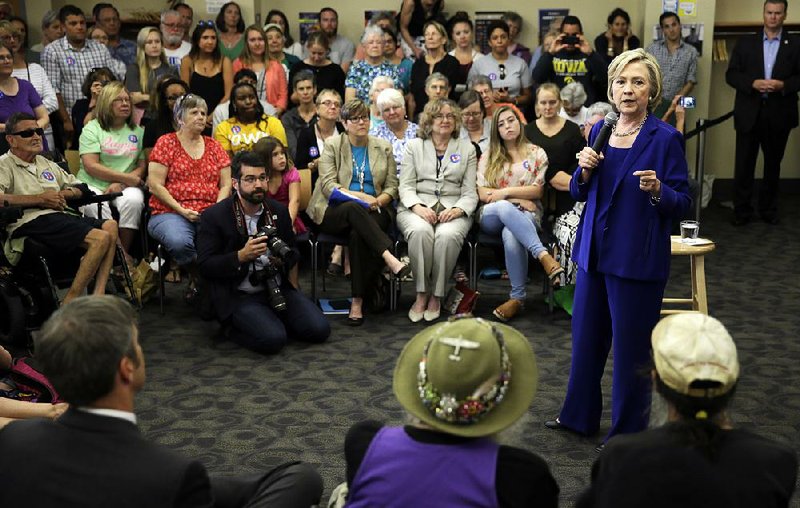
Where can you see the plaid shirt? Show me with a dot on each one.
(677, 68)
(125, 51)
(67, 67)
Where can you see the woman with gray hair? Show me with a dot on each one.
(379, 84)
(363, 72)
(188, 172)
(396, 128)
(437, 199)
(573, 96)
(476, 128)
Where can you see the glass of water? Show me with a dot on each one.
(690, 229)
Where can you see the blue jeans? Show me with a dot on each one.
(518, 231)
(176, 234)
(259, 328)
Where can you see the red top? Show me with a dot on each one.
(194, 183)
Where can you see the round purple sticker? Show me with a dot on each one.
(313, 151)
(70, 60)
(526, 164)
(48, 176)
(492, 76)
(132, 138)
(455, 158)
(236, 129)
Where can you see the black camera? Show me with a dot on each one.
(268, 276)
(570, 40)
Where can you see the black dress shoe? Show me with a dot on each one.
(355, 321)
(599, 448)
(554, 425)
(403, 272)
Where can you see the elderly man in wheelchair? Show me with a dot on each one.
(42, 188)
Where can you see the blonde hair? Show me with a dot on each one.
(433, 108)
(141, 57)
(498, 153)
(653, 71)
(104, 111)
(246, 57)
(546, 87)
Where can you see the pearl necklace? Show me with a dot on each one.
(632, 131)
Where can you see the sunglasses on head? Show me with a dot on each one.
(206, 23)
(502, 68)
(28, 133)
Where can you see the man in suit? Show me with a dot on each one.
(765, 71)
(248, 281)
(94, 455)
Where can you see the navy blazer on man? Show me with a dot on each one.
(86, 460)
(635, 244)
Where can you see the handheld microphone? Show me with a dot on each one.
(605, 132)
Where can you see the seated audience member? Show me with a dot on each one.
(311, 140)
(393, 54)
(475, 127)
(163, 97)
(112, 160)
(275, 48)
(18, 95)
(573, 98)
(511, 185)
(305, 114)
(248, 280)
(363, 167)
(460, 28)
(94, 455)
(290, 46)
(327, 74)
(516, 48)
(362, 72)
(483, 87)
(396, 128)
(618, 38)
(511, 78)
(83, 110)
(247, 123)
(694, 457)
(462, 382)
(437, 200)
(12, 408)
(271, 78)
(188, 172)
(52, 30)
(384, 20)
(565, 226)
(379, 84)
(96, 33)
(150, 66)
(571, 58)
(223, 110)
(283, 184)
(435, 59)
(27, 179)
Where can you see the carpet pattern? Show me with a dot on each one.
(237, 411)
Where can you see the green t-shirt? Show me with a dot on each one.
(119, 150)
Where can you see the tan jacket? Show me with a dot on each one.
(336, 171)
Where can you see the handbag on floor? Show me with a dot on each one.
(461, 299)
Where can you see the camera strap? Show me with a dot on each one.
(241, 220)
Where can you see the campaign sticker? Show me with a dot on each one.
(526, 164)
(313, 151)
(133, 139)
(492, 76)
(70, 60)
(50, 177)
(236, 129)
(455, 158)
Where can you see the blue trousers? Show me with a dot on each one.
(606, 307)
(256, 326)
(176, 234)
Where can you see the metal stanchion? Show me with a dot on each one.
(700, 166)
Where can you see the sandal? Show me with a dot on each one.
(173, 276)
(508, 310)
(552, 268)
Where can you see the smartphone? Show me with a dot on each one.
(687, 102)
(571, 40)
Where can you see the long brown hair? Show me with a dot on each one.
(498, 153)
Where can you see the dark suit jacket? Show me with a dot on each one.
(83, 460)
(217, 244)
(747, 65)
(636, 240)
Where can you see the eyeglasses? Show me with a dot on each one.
(173, 26)
(502, 68)
(6, 58)
(446, 116)
(122, 100)
(251, 179)
(359, 119)
(28, 133)
(329, 104)
(206, 23)
(471, 114)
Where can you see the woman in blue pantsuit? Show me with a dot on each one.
(633, 190)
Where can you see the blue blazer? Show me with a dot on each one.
(635, 244)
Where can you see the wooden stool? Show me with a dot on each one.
(696, 253)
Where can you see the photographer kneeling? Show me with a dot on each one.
(245, 248)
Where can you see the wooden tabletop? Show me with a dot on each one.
(685, 249)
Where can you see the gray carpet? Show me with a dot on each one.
(240, 412)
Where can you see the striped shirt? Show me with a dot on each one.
(67, 67)
(678, 68)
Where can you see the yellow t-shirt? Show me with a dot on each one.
(235, 136)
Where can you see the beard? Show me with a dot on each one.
(256, 197)
(172, 40)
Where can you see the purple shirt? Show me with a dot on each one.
(26, 100)
(398, 471)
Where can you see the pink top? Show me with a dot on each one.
(277, 90)
(282, 195)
